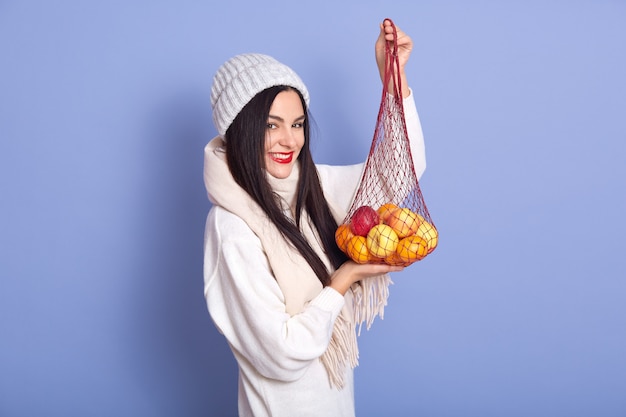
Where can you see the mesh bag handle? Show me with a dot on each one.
(389, 178)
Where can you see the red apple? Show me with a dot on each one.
(363, 219)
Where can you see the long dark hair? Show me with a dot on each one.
(245, 154)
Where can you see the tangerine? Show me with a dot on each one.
(395, 260)
(356, 249)
(412, 248)
(342, 235)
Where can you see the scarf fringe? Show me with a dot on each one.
(369, 300)
(341, 352)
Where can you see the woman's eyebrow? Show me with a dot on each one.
(280, 119)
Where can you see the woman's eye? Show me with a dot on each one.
(298, 125)
(271, 126)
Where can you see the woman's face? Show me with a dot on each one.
(284, 136)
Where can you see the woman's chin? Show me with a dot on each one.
(280, 172)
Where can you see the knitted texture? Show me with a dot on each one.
(294, 275)
(242, 77)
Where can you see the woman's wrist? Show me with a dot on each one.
(340, 283)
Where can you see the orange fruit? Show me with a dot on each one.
(342, 235)
(356, 249)
(385, 210)
(394, 259)
(412, 248)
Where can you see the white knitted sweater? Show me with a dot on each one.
(280, 372)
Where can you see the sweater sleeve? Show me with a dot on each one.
(248, 307)
(416, 135)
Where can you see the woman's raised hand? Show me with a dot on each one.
(405, 45)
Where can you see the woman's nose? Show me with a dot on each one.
(288, 137)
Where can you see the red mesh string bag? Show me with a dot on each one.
(388, 221)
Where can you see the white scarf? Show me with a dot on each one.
(296, 279)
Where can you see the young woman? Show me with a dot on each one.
(277, 286)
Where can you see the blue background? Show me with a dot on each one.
(104, 113)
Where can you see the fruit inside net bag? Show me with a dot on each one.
(388, 221)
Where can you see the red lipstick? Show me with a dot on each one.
(281, 157)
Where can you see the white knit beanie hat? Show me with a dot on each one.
(241, 78)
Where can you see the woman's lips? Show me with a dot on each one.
(281, 157)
